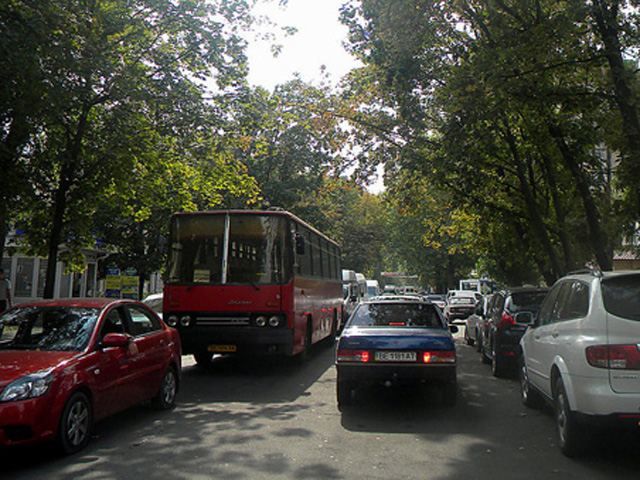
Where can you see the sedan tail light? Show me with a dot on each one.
(360, 356)
(439, 356)
(506, 320)
(615, 357)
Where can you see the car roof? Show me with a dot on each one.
(595, 274)
(397, 299)
(75, 302)
(527, 289)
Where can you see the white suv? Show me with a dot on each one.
(582, 354)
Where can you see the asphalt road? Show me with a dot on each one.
(275, 419)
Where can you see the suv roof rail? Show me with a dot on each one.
(595, 271)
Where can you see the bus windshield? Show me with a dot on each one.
(257, 252)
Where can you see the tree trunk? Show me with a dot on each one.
(3, 230)
(597, 236)
(141, 279)
(55, 237)
(537, 222)
(69, 163)
(561, 214)
(451, 273)
(605, 15)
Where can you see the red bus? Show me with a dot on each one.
(250, 282)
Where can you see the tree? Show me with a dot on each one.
(106, 63)
(503, 105)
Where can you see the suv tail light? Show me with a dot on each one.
(439, 356)
(506, 320)
(615, 357)
(359, 356)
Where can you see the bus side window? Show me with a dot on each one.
(326, 271)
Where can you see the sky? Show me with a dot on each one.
(318, 42)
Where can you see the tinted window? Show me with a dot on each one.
(577, 303)
(396, 315)
(547, 305)
(113, 323)
(256, 249)
(561, 300)
(142, 322)
(195, 254)
(47, 328)
(525, 301)
(621, 296)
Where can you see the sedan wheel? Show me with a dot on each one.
(166, 398)
(75, 424)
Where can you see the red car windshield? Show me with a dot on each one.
(47, 328)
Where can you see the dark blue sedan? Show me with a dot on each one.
(396, 341)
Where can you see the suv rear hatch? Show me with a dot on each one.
(621, 297)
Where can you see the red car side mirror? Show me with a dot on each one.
(119, 340)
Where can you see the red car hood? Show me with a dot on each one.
(18, 363)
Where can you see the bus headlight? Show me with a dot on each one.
(185, 321)
(261, 321)
(274, 321)
(172, 321)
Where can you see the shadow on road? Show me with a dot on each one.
(221, 410)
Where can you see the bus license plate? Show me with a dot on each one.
(395, 356)
(222, 348)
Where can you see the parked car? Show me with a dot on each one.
(582, 355)
(475, 321)
(154, 302)
(459, 307)
(395, 341)
(464, 293)
(67, 363)
(509, 314)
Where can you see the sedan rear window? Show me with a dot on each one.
(397, 315)
(525, 301)
(621, 296)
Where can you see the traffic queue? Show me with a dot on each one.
(257, 283)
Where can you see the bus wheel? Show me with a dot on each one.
(203, 359)
(304, 354)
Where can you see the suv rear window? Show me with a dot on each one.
(525, 301)
(397, 315)
(621, 296)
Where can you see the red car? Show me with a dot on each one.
(67, 363)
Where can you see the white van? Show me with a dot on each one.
(362, 286)
(373, 288)
(350, 293)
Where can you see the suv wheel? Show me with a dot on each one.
(570, 432)
(497, 365)
(478, 341)
(530, 398)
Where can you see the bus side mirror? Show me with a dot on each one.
(299, 239)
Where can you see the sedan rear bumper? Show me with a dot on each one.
(400, 373)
